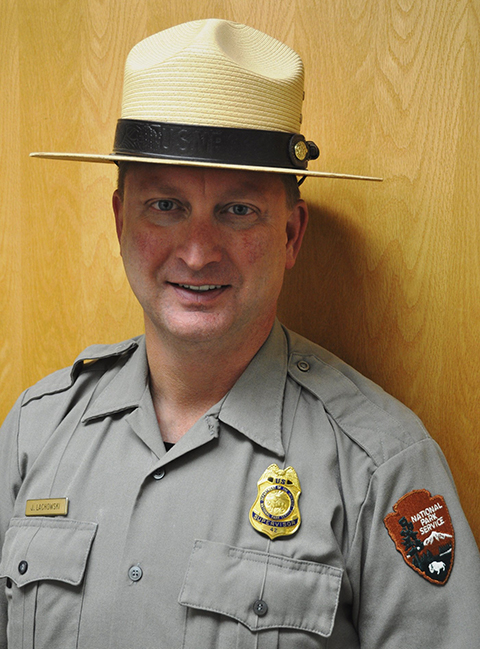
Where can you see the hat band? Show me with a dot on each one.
(238, 146)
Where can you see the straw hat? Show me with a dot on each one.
(212, 93)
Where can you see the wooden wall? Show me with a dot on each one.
(389, 276)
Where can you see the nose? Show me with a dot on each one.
(200, 242)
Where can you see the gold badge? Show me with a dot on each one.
(47, 507)
(275, 511)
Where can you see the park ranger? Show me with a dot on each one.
(221, 482)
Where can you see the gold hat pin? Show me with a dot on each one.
(275, 512)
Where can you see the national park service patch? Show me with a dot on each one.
(421, 528)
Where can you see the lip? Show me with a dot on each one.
(202, 288)
(198, 296)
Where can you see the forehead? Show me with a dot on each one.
(140, 177)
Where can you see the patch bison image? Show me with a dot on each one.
(421, 528)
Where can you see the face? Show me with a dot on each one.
(205, 250)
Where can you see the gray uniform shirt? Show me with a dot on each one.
(157, 549)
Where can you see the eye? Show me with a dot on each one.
(165, 211)
(240, 215)
(240, 210)
(165, 205)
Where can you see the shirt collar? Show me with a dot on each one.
(125, 390)
(255, 403)
(253, 406)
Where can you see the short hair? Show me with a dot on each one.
(292, 191)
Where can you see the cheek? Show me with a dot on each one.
(266, 250)
(142, 247)
(253, 252)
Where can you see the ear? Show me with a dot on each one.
(296, 226)
(117, 204)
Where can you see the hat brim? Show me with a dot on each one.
(113, 157)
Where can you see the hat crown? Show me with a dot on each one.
(214, 73)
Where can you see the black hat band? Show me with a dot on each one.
(217, 145)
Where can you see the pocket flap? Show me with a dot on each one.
(45, 548)
(298, 594)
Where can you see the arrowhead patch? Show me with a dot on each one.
(422, 530)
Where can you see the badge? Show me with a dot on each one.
(47, 507)
(275, 511)
(422, 531)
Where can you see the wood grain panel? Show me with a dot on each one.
(10, 209)
(389, 274)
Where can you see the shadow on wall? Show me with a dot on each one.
(324, 298)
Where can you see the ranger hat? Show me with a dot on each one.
(212, 93)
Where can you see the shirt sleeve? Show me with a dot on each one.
(10, 480)
(395, 604)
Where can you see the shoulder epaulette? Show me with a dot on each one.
(373, 419)
(64, 379)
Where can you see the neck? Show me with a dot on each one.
(187, 379)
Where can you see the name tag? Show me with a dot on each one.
(47, 507)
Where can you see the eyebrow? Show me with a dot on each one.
(245, 187)
(242, 187)
(160, 187)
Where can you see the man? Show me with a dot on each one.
(222, 482)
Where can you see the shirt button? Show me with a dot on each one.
(22, 567)
(135, 573)
(158, 474)
(260, 608)
(303, 366)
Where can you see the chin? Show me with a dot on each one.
(196, 327)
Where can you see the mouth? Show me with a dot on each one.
(199, 293)
(203, 288)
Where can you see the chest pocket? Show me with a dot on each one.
(244, 599)
(44, 562)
